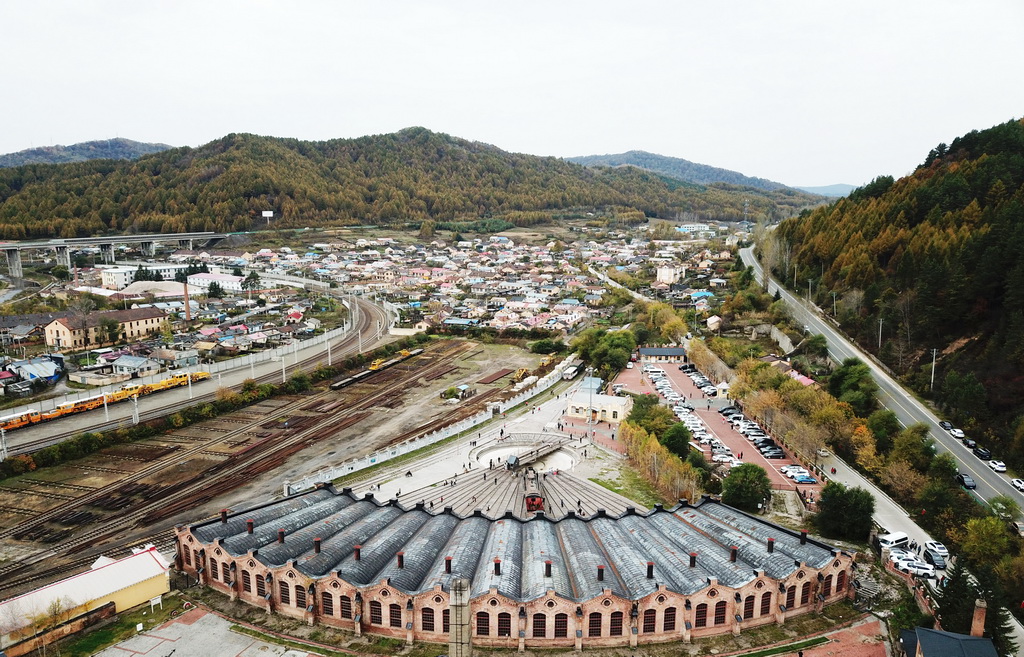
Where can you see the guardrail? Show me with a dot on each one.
(393, 451)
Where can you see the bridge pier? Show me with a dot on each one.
(186, 244)
(14, 263)
(107, 250)
(149, 248)
(63, 256)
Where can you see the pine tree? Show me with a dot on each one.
(955, 600)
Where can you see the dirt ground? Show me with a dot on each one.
(420, 405)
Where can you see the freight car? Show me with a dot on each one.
(127, 391)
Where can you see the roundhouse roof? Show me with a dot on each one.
(575, 546)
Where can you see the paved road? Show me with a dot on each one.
(892, 395)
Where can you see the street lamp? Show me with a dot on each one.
(590, 406)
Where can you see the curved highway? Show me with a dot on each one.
(890, 393)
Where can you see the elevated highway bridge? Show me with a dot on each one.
(64, 246)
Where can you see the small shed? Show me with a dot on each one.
(136, 366)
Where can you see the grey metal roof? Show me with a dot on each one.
(574, 546)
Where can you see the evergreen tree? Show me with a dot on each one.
(954, 600)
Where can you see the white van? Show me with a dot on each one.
(893, 540)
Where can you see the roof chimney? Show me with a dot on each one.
(771, 545)
(497, 566)
(732, 553)
(803, 537)
(249, 525)
(600, 573)
(224, 515)
(978, 622)
(401, 559)
(356, 549)
(280, 536)
(650, 570)
(547, 568)
(448, 565)
(316, 546)
(693, 560)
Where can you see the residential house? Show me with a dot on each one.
(136, 366)
(87, 331)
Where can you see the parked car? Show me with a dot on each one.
(956, 433)
(805, 479)
(1016, 526)
(966, 481)
(970, 443)
(936, 546)
(1018, 484)
(775, 455)
(935, 559)
(997, 466)
(919, 568)
(946, 426)
(982, 453)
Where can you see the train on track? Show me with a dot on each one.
(375, 367)
(127, 391)
(533, 498)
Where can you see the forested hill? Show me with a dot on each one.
(938, 258)
(678, 168)
(409, 176)
(114, 149)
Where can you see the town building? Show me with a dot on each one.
(417, 574)
(121, 276)
(87, 331)
(227, 282)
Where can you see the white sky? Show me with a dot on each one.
(804, 93)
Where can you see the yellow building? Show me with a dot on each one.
(85, 331)
(126, 583)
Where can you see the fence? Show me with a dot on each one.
(393, 451)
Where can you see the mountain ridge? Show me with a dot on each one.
(114, 149)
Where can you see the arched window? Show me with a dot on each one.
(261, 586)
(791, 597)
(594, 626)
(395, 615)
(199, 561)
(286, 591)
(826, 586)
(504, 624)
(540, 626)
(214, 575)
(720, 612)
(225, 572)
(346, 607)
(483, 623)
(326, 603)
(766, 603)
(650, 621)
(444, 620)
(700, 618)
(561, 626)
(376, 613)
(300, 596)
(187, 553)
(841, 581)
(669, 624)
(805, 593)
(246, 581)
(427, 619)
(615, 627)
(748, 607)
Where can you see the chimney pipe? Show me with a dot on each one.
(771, 545)
(224, 515)
(448, 565)
(978, 622)
(316, 546)
(280, 536)
(497, 566)
(650, 570)
(547, 568)
(803, 537)
(249, 525)
(693, 560)
(401, 559)
(355, 551)
(732, 553)
(600, 573)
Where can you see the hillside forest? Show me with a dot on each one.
(932, 261)
(409, 177)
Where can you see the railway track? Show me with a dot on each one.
(81, 547)
(368, 318)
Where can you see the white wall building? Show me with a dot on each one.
(669, 275)
(120, 277)
(227, 282)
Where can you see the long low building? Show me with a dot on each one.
(328, 556)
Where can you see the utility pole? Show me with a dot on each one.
(833, 304)
(931, 386)
(328, 352)
(879, 333)
(135, 409)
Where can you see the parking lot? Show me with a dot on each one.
(717, 438)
